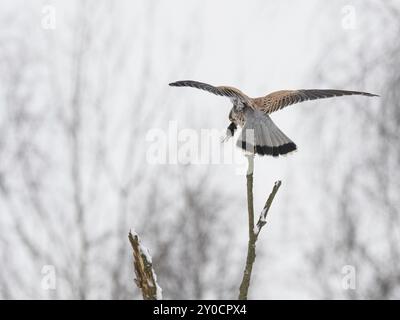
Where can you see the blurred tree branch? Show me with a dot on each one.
(352, 194)
(253, 231)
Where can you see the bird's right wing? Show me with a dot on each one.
(280, 99)
(224, 91)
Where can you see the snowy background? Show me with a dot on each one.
(82, 83)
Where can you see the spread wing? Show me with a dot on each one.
(229, 92)
(280, 99)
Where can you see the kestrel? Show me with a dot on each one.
(260, 135)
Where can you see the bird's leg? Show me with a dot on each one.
(230, 131)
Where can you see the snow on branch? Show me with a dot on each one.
(146, 278)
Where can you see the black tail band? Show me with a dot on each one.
(269, 150)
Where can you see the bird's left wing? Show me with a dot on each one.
(225, 91)
(280, 99)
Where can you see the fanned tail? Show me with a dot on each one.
(261, 136)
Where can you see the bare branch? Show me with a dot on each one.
(253, 231)
(146, 279)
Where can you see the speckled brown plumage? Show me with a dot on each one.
(283, 98)
(273, 141)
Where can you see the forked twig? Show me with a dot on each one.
(254, 231)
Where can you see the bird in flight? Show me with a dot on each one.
(259, 133)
